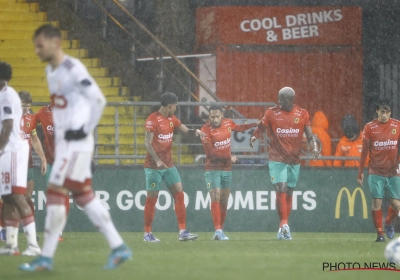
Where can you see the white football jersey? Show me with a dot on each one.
(10, 108)
(74, 96)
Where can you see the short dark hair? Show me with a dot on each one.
(5, 71)
(25, 97)
(215, 107)
(383, 102)
(48, 30)
(168, 98)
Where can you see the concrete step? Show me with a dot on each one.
(39, 72)
(23, 35)
(12, 1)
(42, 82)
(78, 53)
(13, 44)
(121, 162)
(17, 16)
(110, 129)
(19, 7)
(25, 25)
(35, 62)
(124, 120)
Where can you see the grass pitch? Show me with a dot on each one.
(247, 256)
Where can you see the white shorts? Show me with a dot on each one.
(71, 170)
(14, 171)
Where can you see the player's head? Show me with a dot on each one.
(215, 115)
(286, 99)
(5, 72)
(350, 127)
(47, 41)
(169, 102)
(383, 108)
(26, 101)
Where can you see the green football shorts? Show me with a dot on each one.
(218, 179)
(378, 184)
(284, 173)
(31, 175)
(154, 177)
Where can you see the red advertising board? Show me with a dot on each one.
(279, 25)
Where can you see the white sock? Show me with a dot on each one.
(12, 236)
(56, 217)
(100, 217)
(1, 228)
(30, 233)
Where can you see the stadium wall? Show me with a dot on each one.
(325, 200)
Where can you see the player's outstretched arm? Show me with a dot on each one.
(37, 146)
(363, 159)
(185, 130)
(5, 132)
(312, 141)
(148, 141)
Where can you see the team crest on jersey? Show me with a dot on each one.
(208, 185)
(28, 124)
(296, 120)
(229, 129)
(153, 185)
(272, 178)
(171, 124)
(393, 131)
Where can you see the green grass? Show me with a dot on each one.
(247, 256)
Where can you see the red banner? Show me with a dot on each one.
(279, 25)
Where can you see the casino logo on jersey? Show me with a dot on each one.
(393, 131)
(171, 124)
(296, 120)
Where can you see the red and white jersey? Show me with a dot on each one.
(10, 108)
(77, 102)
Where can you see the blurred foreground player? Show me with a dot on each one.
(217, 146)
(159, 167)
(381, 141)
(285, 124)
(77, 103)
(14, 153)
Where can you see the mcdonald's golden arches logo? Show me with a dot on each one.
(351, 197)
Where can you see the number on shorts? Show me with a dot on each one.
(5, 178)
(64, 163)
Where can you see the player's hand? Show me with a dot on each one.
(161, 164)
(73, 135)
(200, 134)
(315, 153)
(252, 140)
(360, 179)
(234, 159)
(43, 167)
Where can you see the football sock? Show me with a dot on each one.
(377, 218)
(391, 215)
(149, 211)
(223, 209)
(282, 207)
(30, 203)
(180, 210)
(101, 219)
(216, 214)
(29, 226)
(12, 227)
(289, 204)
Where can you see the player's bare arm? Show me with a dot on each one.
(312, 141)
(363, 159)
(184, 129)
(37, 146)
(5, 133)
(148, 140)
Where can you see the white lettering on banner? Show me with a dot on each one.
(103, 196)
(240, 200)
(138, 195)
(127, 203)
(260, 200)
(248, 200)
(297, 26)
(308, 197)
